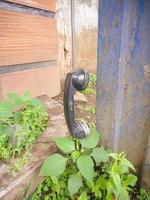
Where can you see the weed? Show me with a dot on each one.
(85, 171)
(25, 192)
(89, 109)
(90, 88)
(22, 119)
(143, 195)
(91, 125)
(17, 164)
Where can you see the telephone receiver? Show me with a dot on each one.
(75, 81)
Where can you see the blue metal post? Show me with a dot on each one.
(123, 86)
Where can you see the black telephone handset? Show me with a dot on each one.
(75, 81)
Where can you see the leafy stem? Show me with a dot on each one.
(89, 170)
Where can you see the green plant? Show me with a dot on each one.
(89, 109)
(143, 195)
(91, 125)
(85, 172)
(22, 119)
(92, 78)
(90, 88)
(17, 163)
(4, 148)
(24, 194)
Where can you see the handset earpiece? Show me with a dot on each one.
(80, 79)
(75, 81)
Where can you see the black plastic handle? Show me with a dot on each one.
(75, 81)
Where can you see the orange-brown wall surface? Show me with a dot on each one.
(28, 47)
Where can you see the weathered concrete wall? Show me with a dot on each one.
(86, 23)
(63, 17)
(123, 88)
(86, 19)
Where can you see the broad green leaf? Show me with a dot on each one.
(7, 105)
(97, 192)
(123, 167)
(115, 169)
(18, 117)
(109, 151)
(56, 188)
(54, 179)
(7, 130)
(117, 181)
(128, 164)
(123, 195)
(109, 196)
(75, 155)
(113, 155)
(131, 180)
(66, 145)
(5, 113)
(26, 96)
(91, 140)
(111, 187)
(86, 167)
(54, 165)
(83, 196)
(15, 98)
(101, 182)
(122, 155)
(74, 184)
(99, 155)
(35, 102)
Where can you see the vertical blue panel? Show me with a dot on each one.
(123, 86)
(135, 118)
(110, 25)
